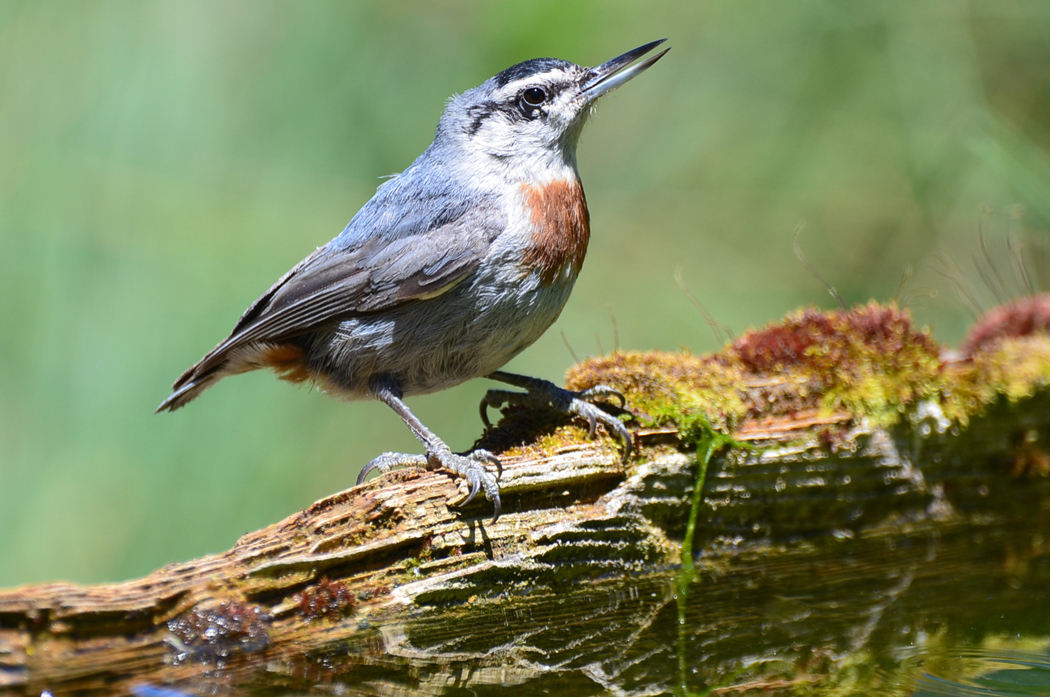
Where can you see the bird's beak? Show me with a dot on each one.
(611, 74)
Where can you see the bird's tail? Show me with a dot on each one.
(197, 378)
(285, 359)
(187, 390)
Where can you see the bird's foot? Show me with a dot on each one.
(580, 403)
(470, 466)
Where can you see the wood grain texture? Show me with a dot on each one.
(389, 568)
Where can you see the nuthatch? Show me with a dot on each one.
(452, 268)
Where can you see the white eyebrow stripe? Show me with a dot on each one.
(547, 78)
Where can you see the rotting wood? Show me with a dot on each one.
(394, 546)
(357, 566)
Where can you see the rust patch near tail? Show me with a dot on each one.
(561, 227)
(285, 360)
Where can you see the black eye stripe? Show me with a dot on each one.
(480, 113)
(528, 102)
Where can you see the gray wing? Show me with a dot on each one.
(349, 278)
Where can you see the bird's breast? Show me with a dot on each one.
(560, 228)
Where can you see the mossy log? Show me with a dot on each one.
(849, 429)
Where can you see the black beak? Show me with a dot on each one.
(611, 74)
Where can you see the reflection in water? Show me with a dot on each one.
(917, 583)
(987, 672)
(921, 613)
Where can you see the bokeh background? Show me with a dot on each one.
(161, 163)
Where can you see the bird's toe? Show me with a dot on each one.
(390, 461)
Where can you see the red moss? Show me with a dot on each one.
(783, 345)
(815, 339)
(329, 599)
(834, 438)
(1021, 317)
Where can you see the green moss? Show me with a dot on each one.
(1013, 368)
(867, 362)
(670, 389)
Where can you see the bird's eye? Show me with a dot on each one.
(534, 96)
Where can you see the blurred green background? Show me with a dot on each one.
(161, 163)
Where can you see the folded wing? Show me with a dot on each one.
(414, 259)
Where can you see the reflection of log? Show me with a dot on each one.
(833, 518)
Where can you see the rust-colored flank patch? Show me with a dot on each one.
(561, 227)
(285, 360)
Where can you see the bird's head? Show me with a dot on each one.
(530, 115)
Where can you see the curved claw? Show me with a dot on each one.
(595, 415)
(489, 458)
(365, 471)
(602, 391)
(592, 424)
(472, 468)
(496, 399)
(491, 399)
(475, 487)
(625, 437)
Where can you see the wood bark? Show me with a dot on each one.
(393, 569)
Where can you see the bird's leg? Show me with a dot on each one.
(539, 393)
(438, 455)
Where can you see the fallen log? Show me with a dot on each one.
(842, 450)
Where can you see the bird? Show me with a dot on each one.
(450, 270)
